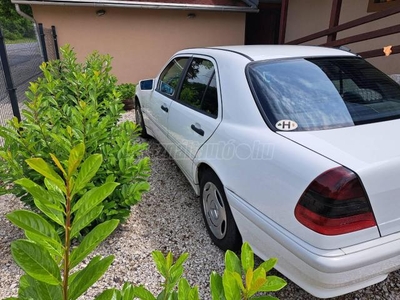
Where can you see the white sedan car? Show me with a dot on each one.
(294, 149)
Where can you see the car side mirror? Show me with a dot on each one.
(146, 85)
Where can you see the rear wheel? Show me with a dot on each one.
(139, 119)
(217, 214)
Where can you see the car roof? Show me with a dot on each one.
(264, 52)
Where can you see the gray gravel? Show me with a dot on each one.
(168, 219)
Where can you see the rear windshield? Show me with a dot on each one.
(323, 93)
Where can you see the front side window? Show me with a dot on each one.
(199, 89)
(323, 93)
(169, 78)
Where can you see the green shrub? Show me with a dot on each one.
(52, 265)
(13, 26)
(240, 281)
(127, 90)
(47, 256)
(76, 103)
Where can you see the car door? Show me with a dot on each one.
(166, 90)
(196, 112)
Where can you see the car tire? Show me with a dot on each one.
(217, 214)
(139, 119)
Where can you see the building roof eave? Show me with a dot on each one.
(140, 4)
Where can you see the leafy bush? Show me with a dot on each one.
(239, 280)
(127, 90)
(230, 285)
(46, 256)
(13, 26)
(76, 103)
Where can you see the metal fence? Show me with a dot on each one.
(20, 64)
(6, 112)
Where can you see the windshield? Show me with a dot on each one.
(323, 93)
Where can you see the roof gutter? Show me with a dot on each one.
(251, 3)
(22, 14)
(137, 4)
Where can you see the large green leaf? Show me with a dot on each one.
(54, 247)
(85, 220)
(194, 293)
(269, 264)
(51, 210)
(217, 289)
(179, 262)
(143, 294)
(36, 261)
(87, 170)
(273, 284)
(40, 166)
(51, 187)
(232, 262)
(88, 276)
(37, 290)
(247, 257)
(183, 289)
(93, 198)
(257, 281)
(34, 189)
(58, 164)
(110, 294)
(47, 201)
(92, 240)
(231, 288)
(32, 222)
(75, 158)
(160, 262)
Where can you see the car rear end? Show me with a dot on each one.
(346, 233)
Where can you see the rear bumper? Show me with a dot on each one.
(323, 273)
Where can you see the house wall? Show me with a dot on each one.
(309, 16)
(139, 40)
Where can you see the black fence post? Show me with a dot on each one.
(43, 42)
(7, 74)
(53, 30)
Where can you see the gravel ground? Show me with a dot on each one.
(168, 219)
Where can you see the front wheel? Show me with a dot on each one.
(217, 214)
(139, 119)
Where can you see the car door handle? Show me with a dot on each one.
(164, 108)
(198, 130)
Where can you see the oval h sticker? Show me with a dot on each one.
(286, 125)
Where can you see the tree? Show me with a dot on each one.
(13, 25)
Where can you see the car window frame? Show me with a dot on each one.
(184, 71)
(216, 74)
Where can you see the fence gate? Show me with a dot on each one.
(20, 65)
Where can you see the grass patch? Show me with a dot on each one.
(20, 41)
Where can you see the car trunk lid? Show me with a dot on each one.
(373, 152)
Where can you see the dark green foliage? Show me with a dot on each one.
(13, 26)
(77, 103)
(127, 90)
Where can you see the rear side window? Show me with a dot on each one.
(324, 93)
(169, 78)
(199, 89)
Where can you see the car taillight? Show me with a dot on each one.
(335, 203)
